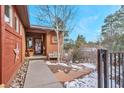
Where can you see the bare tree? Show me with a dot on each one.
(59, 17)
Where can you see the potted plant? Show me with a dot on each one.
(30, 52)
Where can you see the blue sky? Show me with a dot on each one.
(89, 19)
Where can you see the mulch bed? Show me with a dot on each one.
(56, 68)
(19, 79)
(64, 74)
(64, 77)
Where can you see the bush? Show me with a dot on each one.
(82, 56)
(76, 56)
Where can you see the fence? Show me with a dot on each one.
(110, 69)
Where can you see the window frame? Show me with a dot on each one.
(53, 40)
(28, 39)
(16, 24)
(8, 17)
(20, 28)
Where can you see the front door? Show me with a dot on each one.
(38, 46)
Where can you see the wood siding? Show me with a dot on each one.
(9, 41)
(52, 47)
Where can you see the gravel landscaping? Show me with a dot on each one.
(19, 79)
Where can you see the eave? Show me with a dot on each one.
(22, 11)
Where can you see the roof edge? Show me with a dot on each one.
(43, 28)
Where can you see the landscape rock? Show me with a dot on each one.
(18, 81)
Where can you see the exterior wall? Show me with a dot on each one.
(0, 45)
(1, 41)
(9, 41)
(52, 47)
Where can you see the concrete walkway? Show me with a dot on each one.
(40, 76)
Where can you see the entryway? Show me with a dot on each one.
(38, 46)
(35, 44)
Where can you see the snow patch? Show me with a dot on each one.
(76, 67)
(63, 64)
(89, 65)
(49, 63)
(89, 81)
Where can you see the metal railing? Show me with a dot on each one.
(110, 68)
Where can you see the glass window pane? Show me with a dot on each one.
(29, 42)
(7, 11)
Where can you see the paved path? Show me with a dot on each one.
(40, 76)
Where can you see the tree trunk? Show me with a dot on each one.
(58, 45)
(62, 45)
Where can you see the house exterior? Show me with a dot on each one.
(43, 36)
(19, 39)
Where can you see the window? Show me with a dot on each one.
(16, 24)
(7, 11)
(29, 42)
(54, 39)
(8, 14)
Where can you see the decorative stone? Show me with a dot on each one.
(18, 81)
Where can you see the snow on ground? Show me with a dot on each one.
(89, 81)
(63, 64)
(89, 65)
(117, 76)
(76, 67)
(113, 84)
(49, 63)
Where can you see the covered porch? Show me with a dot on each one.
(35, 44)
(42, 41)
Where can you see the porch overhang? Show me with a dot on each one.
(36, 31)
(40, 29)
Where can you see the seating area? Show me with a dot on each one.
(52, 55)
